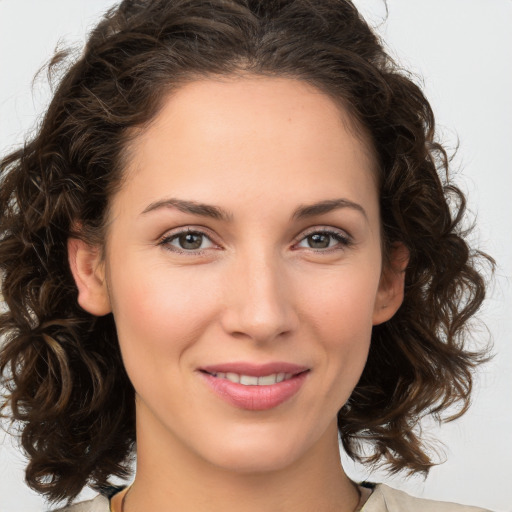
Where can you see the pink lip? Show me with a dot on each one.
(255, 398)
(255, 370)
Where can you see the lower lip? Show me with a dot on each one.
(255, 398)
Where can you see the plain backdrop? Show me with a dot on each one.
(462, 52)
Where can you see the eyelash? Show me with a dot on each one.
(166, 240)
(344, 240)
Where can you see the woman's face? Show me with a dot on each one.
(245, 246)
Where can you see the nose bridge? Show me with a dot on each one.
(259, 302)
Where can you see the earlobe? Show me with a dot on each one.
(390, 294)
(89, 273)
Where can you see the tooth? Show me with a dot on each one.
(248, 380)
(233, 377)
(267, 380)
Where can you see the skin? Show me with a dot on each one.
(259, 149)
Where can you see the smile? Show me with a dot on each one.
(251, 380)
(255, 387)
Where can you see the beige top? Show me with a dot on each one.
(382, 499)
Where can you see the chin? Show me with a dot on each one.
(255, 461)
(258, 452)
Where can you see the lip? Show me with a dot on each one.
(255, 398)
(255, 370)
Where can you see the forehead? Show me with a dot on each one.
(238, 135)
(217, 102)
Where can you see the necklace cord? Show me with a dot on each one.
(360, 503)
(123, 500)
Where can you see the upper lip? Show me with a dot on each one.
(254, 370)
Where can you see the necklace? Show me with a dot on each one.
(124, 497)
(363, 496)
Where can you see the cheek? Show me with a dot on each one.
(160, 315)
(340, 301)
(340, 315)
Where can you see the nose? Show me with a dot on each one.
(259, 300)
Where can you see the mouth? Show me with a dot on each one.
(255, 387)
(251, 380)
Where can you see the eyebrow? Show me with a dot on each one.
(192, 207)
(326, 206)
(218, 213)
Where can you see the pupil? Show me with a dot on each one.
(191, 241)
(319, 241)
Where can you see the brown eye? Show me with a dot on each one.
(187, 241)
(319, 240)
(190, 241)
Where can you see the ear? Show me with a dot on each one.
(390, 294)
(88, 271)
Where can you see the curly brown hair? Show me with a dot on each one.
(66, 384)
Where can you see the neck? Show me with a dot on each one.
(171, 478)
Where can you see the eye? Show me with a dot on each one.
(324, 239)
(187, 241)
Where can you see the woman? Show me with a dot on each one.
(230, 243)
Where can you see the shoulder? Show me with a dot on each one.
(386, 499)
(98, 504)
